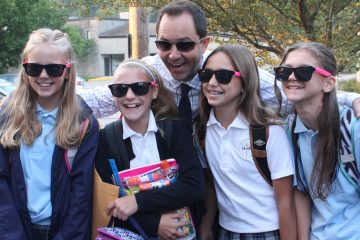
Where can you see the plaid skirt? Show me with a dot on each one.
(40, 232)
(228, 235)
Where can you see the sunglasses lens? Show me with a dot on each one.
(303, 74)
(282, 73)
(140, 88)
(185, 46)
(224, 76)
(32, 69)
(205, 75)
(163, 45)
(55, 70)
(118, 90)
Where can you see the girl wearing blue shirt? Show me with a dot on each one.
(328, 206)
(48, 142)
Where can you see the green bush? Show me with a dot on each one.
(350, 86)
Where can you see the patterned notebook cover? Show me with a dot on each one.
(116, 233)
(158, 175)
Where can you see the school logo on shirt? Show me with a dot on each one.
(245, 149)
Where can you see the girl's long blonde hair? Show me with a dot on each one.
(19, 119)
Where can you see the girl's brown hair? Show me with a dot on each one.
(328, 141)
(250, 103)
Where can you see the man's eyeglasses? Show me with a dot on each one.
(182, 46)
(53, 70)
(222, 76)
(302, 74)
(138, 88)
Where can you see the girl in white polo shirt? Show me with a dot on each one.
(249, 208)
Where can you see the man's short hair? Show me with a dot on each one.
(176, 8)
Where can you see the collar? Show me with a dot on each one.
(128, 132)
(44, 113)
(239, 121)
(300, 126)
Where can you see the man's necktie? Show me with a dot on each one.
(185, 106)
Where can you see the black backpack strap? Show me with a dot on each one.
(163, 137)
(258, 138)
(117, 145)
(165, 128)
(120, 148)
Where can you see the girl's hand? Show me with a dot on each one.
(122, 208)
(169, 225)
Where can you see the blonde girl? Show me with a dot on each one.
(48, 144)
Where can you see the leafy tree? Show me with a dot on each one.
(270, 26)
(82, 46)
(18, 18)
(350, 86)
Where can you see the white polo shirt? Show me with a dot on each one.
(144, 147)
(246, 202)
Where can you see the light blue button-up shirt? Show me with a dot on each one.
(36, 160)
(338, 217)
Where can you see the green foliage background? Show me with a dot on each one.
(350, 86)
(18, 18)
(268, 27)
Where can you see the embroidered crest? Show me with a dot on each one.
(245, 149)
(259, 142)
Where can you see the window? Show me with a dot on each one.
(111, 62)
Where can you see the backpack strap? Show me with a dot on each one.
(165, 130)
(259, 136)
(69, 154)
(117, 145)
(118, 148)
(347, 156)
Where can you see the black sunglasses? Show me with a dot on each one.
(182, 46)
(138, 88)
(223, 76)
(302, 74)
(53, 70)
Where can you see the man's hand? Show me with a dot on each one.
(356, 107)
(169, 226)
(122, 208)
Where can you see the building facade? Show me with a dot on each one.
(110, 36)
